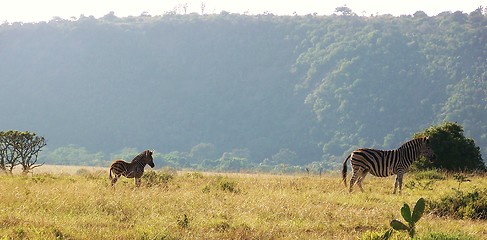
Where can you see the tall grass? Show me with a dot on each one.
(214, 206)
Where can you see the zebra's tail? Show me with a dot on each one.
(110, 173)
(344, 170)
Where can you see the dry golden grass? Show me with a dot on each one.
(82, 205)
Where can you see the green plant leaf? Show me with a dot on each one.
(397, 225)
(418, 210)
(406, 213)
(386, 235)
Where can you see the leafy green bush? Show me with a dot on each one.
(453, 150)
(425, 179)
(472, 205)
(154, 178)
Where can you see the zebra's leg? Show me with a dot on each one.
(356, 173)
(137, 182)
(361, 178)
(115, 179)
(398, 182)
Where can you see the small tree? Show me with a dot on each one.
(453, 150)
(8, 154)
(344, 10)
(28, 146)
(20, 148)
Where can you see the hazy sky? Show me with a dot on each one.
(45, 10)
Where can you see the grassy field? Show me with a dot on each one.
(80, 204)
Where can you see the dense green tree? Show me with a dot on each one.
(453, 150)
(284, 156)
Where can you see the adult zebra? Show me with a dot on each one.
(134, 169)
(382, 163)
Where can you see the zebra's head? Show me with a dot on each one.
(148, 158)
(427, 151)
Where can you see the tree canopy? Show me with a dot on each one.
(299, 89)
(20, 148)
(453, 150)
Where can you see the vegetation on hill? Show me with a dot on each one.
(230, 90)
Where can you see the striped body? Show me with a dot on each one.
(134, 169)
(384, 163)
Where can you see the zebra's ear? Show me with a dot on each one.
(149, 152)
(427, 139)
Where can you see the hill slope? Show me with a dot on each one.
(317, 86)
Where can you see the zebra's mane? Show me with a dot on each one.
(140, 156)
(413, 142)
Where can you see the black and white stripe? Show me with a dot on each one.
(134, 169)
(382, 163)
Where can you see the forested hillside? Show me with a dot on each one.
(232, 90)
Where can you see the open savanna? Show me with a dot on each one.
(81, 204)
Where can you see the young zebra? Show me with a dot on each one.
(386, 163)
(134, 169)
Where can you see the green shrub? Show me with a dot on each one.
(227, 185)
(454, 152)
(472, 205)
(155, 178)
(432, 174)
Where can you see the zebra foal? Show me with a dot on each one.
(384, 163)
(134, 169)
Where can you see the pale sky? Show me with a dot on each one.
(45, 10)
